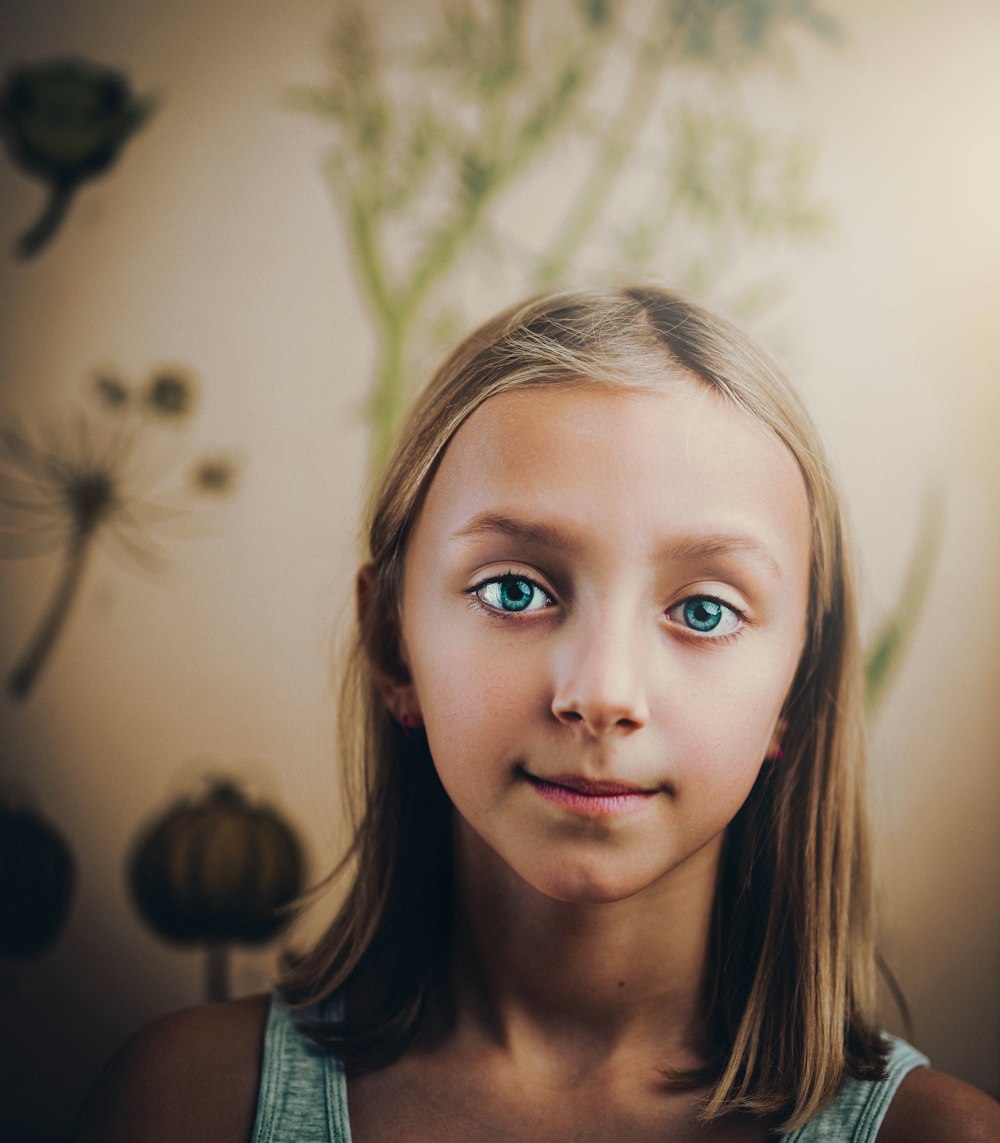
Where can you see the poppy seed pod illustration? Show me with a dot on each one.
(36, 883)
(65, 121)
(217, 870)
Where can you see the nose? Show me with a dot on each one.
(600, 682)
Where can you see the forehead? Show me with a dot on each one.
(633, 466)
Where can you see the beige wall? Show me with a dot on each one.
(213, 243)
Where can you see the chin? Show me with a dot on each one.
(587, 886)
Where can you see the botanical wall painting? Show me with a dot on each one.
(37, 879)
(91, 478)
(216, 869)
(433, 134)
(65, 121)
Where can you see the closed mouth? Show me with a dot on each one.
(589, 787)
(592, 797)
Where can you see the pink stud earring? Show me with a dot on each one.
(772, 760)
(408, 724)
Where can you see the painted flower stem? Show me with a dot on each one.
(389, 392)
(34, 240)
(23, 677)
(216, 973)
(620, 137)
(884, 655)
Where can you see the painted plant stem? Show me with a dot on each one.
(388, 393)
(38, 236)
(22, 678)
(885, 654)
(398, 309)
(216, 973)
(77, 483)
(613, 156)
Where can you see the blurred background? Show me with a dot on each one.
(233, 236)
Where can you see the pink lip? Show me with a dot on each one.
(586, 795)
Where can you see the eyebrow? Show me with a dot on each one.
(684, 549)
(531, 532)
(713, 547)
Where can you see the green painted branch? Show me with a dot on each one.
(389, 394)
(443, 251)
(396, 322)
(24, 676)
(885, 654)
(364, 244)
(455, 235)
(619, 140)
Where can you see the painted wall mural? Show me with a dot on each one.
(66, 121)
(323, 199)
(216, 869)
(428, 142)
(92, 478)
(37, 878)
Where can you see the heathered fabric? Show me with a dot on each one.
(303, 1092)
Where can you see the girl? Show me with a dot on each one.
(609, 877)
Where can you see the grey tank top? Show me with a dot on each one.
(303, 1092)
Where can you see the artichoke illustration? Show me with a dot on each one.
(65, 121)
(217, 869)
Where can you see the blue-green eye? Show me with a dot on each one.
(704, 615)
(512, 593)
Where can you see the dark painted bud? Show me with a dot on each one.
(36, 883)
(217, 869)
(65, 121)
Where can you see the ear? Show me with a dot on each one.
(383, 645)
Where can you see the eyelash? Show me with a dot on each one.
(479, 604)
(714, 640)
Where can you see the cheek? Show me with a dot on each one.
(471, 694)
(453, 651)
(731, 717)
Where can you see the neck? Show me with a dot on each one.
(599, 974)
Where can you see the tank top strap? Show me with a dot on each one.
(303, 1091)
(856, 1115)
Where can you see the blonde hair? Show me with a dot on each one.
(791, 984)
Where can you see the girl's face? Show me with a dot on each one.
(604, 603)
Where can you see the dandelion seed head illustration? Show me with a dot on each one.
(103, 474)
(111, 391)
(216, 476)
(91, 498)
(171, 394)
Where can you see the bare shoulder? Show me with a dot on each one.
(192, 1075)
(931, 1107)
